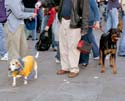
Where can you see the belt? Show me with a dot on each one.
(66, 18)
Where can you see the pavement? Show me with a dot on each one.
(89, 85)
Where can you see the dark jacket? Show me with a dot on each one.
(79, 15)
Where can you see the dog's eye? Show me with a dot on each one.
(16, 62)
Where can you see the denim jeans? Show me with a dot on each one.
(3, 48)
(89, 37)
(112, 19)
(39, 19)
(33, 32)
(121, 50)
(44, 22)
(57, 56)
(55, 30)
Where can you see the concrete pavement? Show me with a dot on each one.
(89, 85)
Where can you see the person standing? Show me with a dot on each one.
(73, 17)
(14, 28)
(3, 17)
(121, 49)
(112, 14)
(89, 37)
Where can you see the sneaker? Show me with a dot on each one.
(57, 61)
(96, 58)
(84, 64)
(55, 49)
(5, 57)
(107, 57)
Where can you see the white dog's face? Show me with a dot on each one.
(14, 65)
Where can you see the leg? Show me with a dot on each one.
(121, 49)
(91, 39)
(35, 69)
(114, 64)
(63, 45)
(100, 57)
(23, 45)
(14, 81)
(25, 80)
(3, 49)
(34, 32)
(73, 53)
(108, 22)
(114, 17)
(103, 69)
(111, 61)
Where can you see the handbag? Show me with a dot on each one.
(84, 46)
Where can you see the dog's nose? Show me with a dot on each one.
(9, 69)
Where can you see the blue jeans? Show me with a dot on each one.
(89, 37)
(3, 48)
(112, 19)
(55, 29)
(44, 22)
(33, 32)
(57, 56)
(121, 50)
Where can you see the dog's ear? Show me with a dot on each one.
(111, 30)
(119, 30)
(17, 63)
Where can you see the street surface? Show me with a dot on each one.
(89, 85)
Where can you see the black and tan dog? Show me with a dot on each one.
(108, 45)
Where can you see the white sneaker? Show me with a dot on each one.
(96, 58)
(5, 57)
(107, 57)
(57, 61)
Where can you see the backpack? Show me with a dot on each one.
(44, 41)
(3, 15)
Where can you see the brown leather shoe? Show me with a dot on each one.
(61, 72)
(72, 74)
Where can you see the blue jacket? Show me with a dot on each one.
(93, 11)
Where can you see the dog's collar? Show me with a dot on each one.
(21, 62)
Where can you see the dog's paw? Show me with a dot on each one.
(111, 65)
(25, 82)
(99, 63)
(35, 77)
(114, 72)
(103, 71)
(14, 84)
(19, 76)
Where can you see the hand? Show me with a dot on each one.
(46, 28)
(83, 32)
(38, 4)
(97, 25)
(34, 15)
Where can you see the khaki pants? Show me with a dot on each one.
(16, 42)
(68, 40)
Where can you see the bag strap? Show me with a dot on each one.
(9, 12)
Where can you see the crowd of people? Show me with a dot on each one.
(67, 21)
